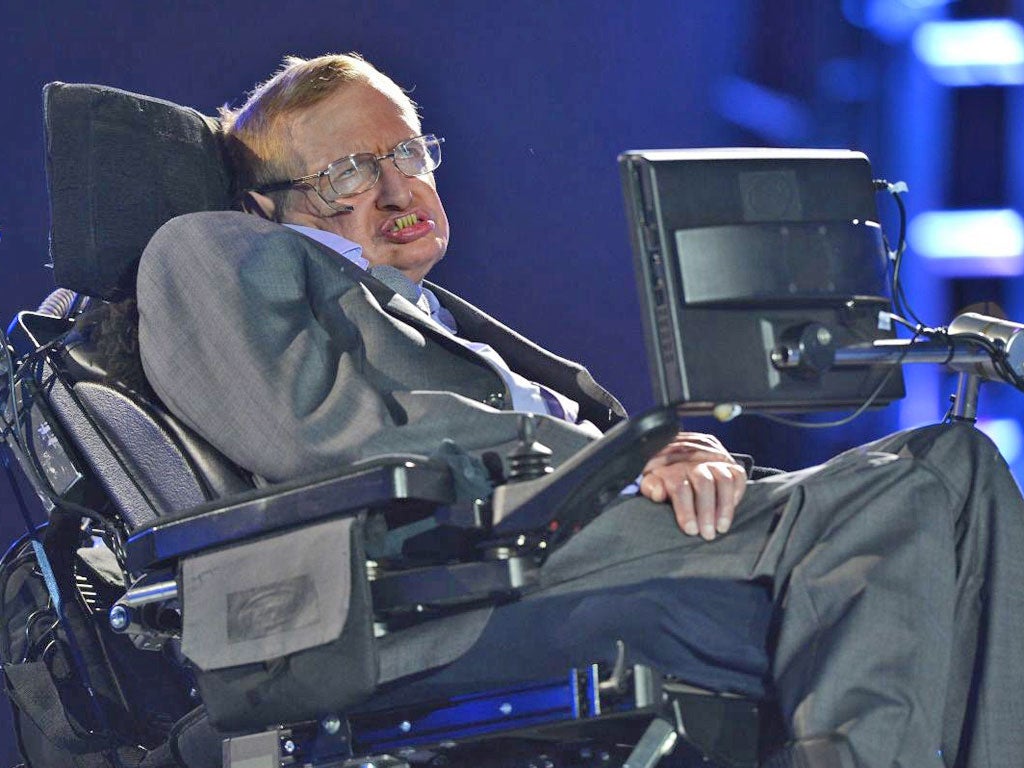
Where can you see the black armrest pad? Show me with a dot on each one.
(748, 463)
(378, 483)
(753, 471)
(760, 473)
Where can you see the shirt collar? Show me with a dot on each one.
(351, 251)
(414, 292)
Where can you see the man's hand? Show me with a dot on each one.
(701, 479)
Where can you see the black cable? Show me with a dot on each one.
(901, 249)
(995, 348)
(899, 297)
(11, 387)
(59, 503)
(27, 376)
(996, 351)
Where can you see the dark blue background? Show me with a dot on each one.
(535, 99)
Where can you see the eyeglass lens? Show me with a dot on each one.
(358, 173)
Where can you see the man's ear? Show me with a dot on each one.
(259, 204)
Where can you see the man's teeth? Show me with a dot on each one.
(405, 221)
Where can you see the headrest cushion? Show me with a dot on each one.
(120, 165)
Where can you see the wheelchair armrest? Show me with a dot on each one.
(387, 481)
(570, 495)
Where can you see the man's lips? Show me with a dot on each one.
(406, 234)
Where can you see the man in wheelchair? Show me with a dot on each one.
(876, 599)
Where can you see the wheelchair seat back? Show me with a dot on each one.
(148, 463)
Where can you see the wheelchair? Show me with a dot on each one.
(175, 611)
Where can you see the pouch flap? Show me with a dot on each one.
(268, 598)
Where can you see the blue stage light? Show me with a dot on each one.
(775, 116)
(974, 52)
(1006, 434)
(970, 243)
(891, 20)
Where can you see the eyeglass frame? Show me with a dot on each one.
(277, 186)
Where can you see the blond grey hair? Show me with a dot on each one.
(257, 133)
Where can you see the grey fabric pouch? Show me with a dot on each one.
(280, 629)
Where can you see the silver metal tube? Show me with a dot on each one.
(151, 593)
(965, 405)
(900, 351)
(965, 355)
(1004, 333)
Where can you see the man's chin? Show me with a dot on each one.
(413, 266)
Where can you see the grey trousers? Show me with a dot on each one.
(879, 596)
(897, 575)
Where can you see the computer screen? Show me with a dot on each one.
(741, 253)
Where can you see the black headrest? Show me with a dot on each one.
(120, 165)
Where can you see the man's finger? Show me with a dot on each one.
(683, 507)
(653, 488)
(730, 485)
(703, 495)
(740, 475)
(705, 499)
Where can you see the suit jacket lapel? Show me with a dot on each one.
(533, 361)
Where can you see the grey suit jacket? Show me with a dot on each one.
(289, 359)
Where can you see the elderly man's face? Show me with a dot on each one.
(359, 118)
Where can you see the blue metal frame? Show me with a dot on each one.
(574, 697)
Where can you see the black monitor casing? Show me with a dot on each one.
(737, 253)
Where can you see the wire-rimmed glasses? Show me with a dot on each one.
(355, 174)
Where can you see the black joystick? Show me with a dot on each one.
(529, 459)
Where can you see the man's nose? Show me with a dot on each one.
(394, 190)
